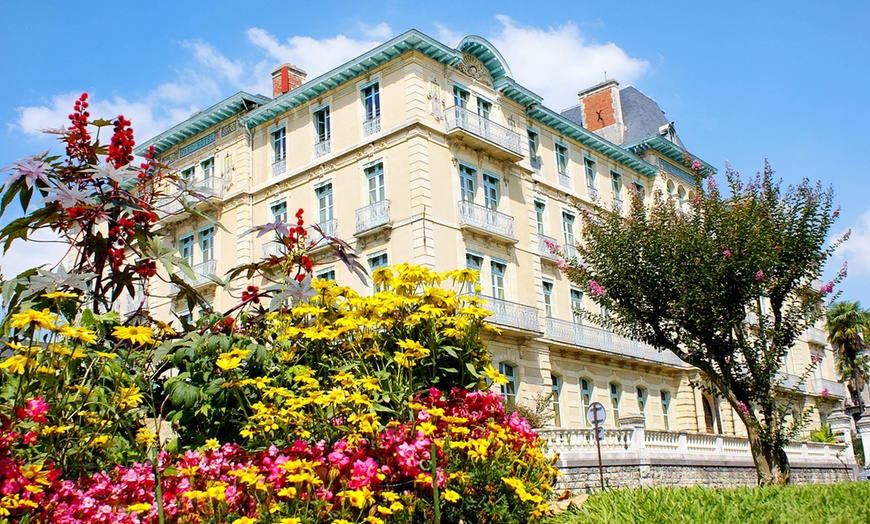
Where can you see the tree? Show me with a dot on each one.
(847, 323)
(726, 286)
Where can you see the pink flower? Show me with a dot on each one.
(759, 275)
(825, 392)
(743, 409)
(597, 289)
(562, 265)
(726, 254)
(826, 288)
(36, 409)
(552, 247)
(845, 268)
(696, 166)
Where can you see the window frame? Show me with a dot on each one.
(509, 388)
(274, 135)
(325, 206)
(547, 292)
(555, 399)
(467, 176)
(576, 296)
(498, 272)
(665, 396)
(589, 169)
(491, 193)
(562, 158)
(371, 99)
(615, 391)
(207, 243)
(534, 142)
(322, 126)
(375, 172)
(585, 397)
(540, 214)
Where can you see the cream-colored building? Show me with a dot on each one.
(422, 153)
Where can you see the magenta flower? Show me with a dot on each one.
(759, 275)
(743, 409)
(36, 409)
(826, 288)
(696, 166)
(825, 392)
(726, 254)
(845, 268)
(597, 289)
(562, 265)
(552, 247)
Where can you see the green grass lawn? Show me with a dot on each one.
(847, 502)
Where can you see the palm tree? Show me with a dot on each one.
(848, 326)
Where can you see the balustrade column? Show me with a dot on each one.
(637, 424)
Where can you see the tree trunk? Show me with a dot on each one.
(771, 463)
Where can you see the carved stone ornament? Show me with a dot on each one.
(475, 69)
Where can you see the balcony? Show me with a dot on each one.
(487, 221)
(544, 243)
(372, 126)
(201, 272)
(791, 382)
(315, 238)
(592, 192)
(134, 305)
(512, 315)
(170, 205)
(834, 389)
(607, 342)
(373, 217)
(569, 251)
(321, 148)
(618, 206)
(481, 133)
(817, 336)
(272, 249)
(279, 167)
(564, 180)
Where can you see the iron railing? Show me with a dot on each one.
(486, 219)
(373, 215)
(462, 118)
(603, 340)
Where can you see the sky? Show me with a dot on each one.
(743, 81)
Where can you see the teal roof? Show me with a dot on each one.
(589, 139)
(485, 52)
(199, 122)
(669, 150)
(412, 40)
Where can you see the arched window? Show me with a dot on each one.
(556, 398)
(615, 394)
(509, 388)
(641, 402)
(585, 397)
(666, 408)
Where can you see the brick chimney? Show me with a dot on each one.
(286, 78)
(602, 110)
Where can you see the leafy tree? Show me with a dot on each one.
(847, 323)
(725, 285)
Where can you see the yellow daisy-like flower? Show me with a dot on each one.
(212, 444)
(110, 356)
(290, 520)
(44, 319)
(231, 359)
(135, 334)
(60, 294)
(143, 506)
(146, 436)
(244, 520)
(17, 364)
(450, 496)
(494, 375)
(78, 333)
(129, 397)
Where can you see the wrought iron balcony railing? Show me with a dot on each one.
(460, 118)
(512, 315)
(279, 167)
(548, 247)
(603, 340)
(321, 148)
(486, 220)
(372, 126)
(200, 272)
(373, 216)
(329, 228)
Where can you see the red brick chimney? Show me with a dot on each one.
(600, 105)
(286, 78)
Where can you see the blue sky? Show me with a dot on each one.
(743, 81)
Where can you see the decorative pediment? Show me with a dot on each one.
(475, 69)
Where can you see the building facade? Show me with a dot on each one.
(421, 153)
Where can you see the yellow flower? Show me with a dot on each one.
(143, 506)
(146, 436)
(100, 441)
(135, 334)
(494, 375)
(129, 397)
(244, 520)
(110, 356)
(212, 444)
(290, 520)
(44, 319)
(59, 294)
(17, 364)
(232, 359)
(450, 495)
(78, 333)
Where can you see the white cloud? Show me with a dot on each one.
(381, 31)
(856, 250)
(43, 247)
(447, 36)
(210, 57)
(310, 54)
(557, 62)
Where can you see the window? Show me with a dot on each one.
(577, 304)
(206, 243)
(279, 212)
(460, 97)
(539, 216)
(616, 184)
(615, 393)
(279, 145)
(548, 297)
(672, 189)
(641, 402)
(377, 261)
(561, 159)
(490, 191)
(327, 274)
(666, 408)
(534, 144)
(568, 228)
(186, 249)
(375, 182)
(324, 202)
(585, 398)
(639, 189)
(498, 270)
(589, 166)
(189, 174)
(474, 262)
(681, 195)
(371, 101)
(483, 108)
(509, 389)
(466, 181)
(207, 166)
(556, 395)
(321, 124)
